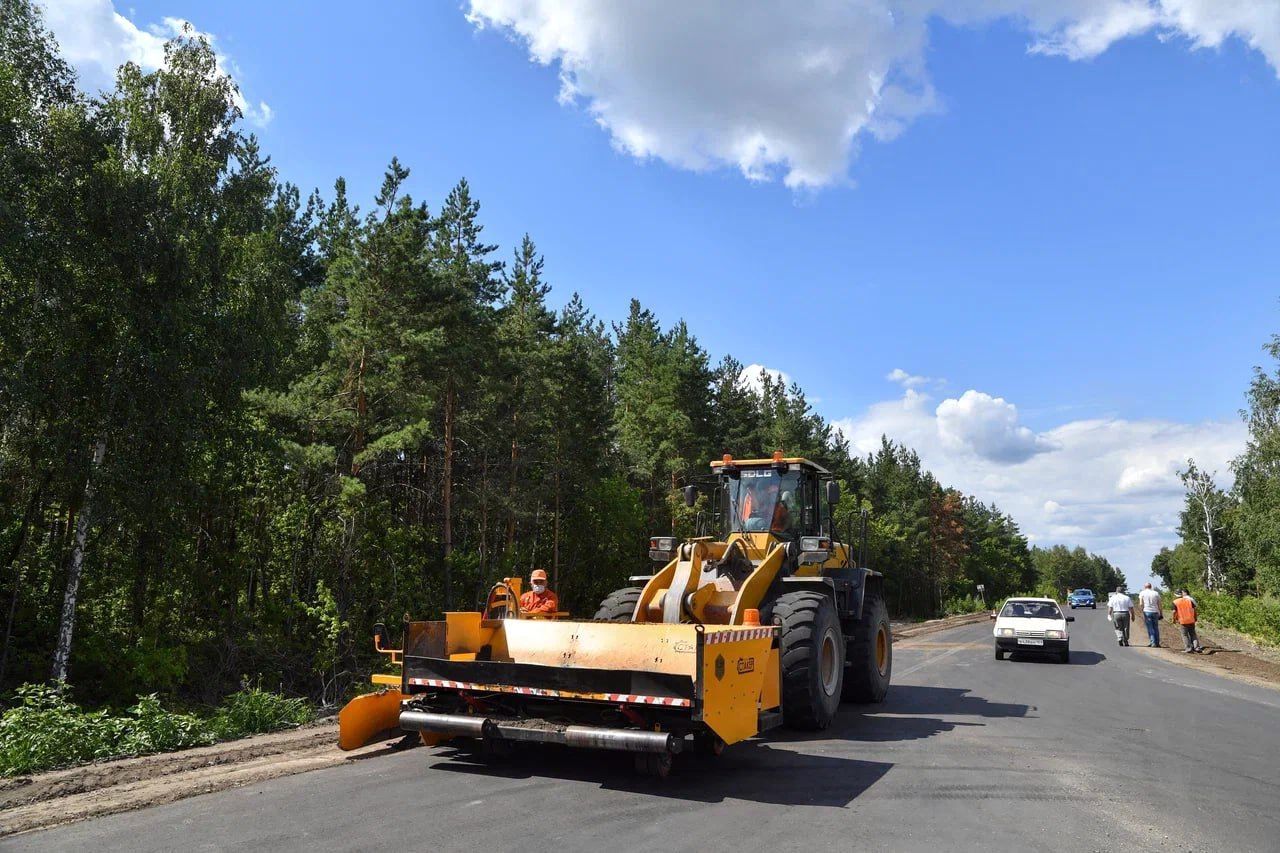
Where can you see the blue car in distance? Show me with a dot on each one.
(1082, 598)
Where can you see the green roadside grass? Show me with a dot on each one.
(964, 605)
(45, 730)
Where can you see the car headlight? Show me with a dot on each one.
(1006, 632)
(1054, 635)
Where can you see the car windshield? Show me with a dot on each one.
(1031, 610)
(1084, 592)
(762, 500)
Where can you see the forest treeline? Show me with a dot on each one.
(239, 425)
(1229, 540)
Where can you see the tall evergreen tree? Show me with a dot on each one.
(466, 289)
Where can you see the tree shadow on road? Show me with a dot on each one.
(752, 770)
(925, 699)
(903, 715)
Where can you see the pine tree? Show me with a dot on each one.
(466, 288)
(526, 333)
(735, 412)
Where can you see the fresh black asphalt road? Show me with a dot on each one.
(1116, 751)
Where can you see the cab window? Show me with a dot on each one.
(767, 500)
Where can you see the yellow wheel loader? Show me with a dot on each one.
(769, 623)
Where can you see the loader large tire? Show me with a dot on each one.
(619, 605)
(811, 649)
(870, 654)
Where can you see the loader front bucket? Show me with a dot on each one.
(635, 687)
(371, 717)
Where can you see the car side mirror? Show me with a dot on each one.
(1071, 618)
(690, 495)
(833, 492)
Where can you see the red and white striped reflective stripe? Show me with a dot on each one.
(632, 699)
(714, 637)
(493, 688)
(538, 691)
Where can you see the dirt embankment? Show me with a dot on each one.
(91, 790)
(1225, 652)
(907, 630)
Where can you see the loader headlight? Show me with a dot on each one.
(815, 549)
(662, 548)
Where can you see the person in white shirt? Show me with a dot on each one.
(1120, 611)
(1151, 614)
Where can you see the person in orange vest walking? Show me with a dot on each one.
(1184, 613)
(539, 600)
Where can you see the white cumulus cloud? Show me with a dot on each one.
(1108, 484)
(783, 89)
(907, 380)
(752, 376)
(987, 427)
(96, 40)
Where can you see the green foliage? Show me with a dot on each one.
(150, 728)
(1257, 480)
(1230, 541)
(1059, 569)
(1181, 567)
(1256, 616)
(46, 730)
(964, 605)
(253, 710)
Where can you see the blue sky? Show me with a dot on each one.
(1084, 231)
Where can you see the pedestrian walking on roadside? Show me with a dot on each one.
(1184, 613)
(1120, 611)
(1152, 613)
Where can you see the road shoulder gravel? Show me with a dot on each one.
(1234, 657)
(91, 790)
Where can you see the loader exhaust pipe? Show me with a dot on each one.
(453, 725)
(536, 731)
(623, 740)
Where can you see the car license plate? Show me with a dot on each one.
(1030, 641)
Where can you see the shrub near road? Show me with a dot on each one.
(46, 730)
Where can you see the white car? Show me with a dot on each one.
(1035, 625)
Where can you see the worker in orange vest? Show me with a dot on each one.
(539, 600)
(1184, 613)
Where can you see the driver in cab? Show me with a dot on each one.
(759, 499)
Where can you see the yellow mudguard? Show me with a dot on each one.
(366, 717)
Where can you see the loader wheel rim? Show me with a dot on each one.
(882, 650)
(829, 663)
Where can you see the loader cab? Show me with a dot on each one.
(784, 497)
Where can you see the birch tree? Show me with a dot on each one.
(1205, 506)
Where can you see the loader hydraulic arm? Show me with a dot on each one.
(690, 589)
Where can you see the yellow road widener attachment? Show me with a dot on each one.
(365, 718)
